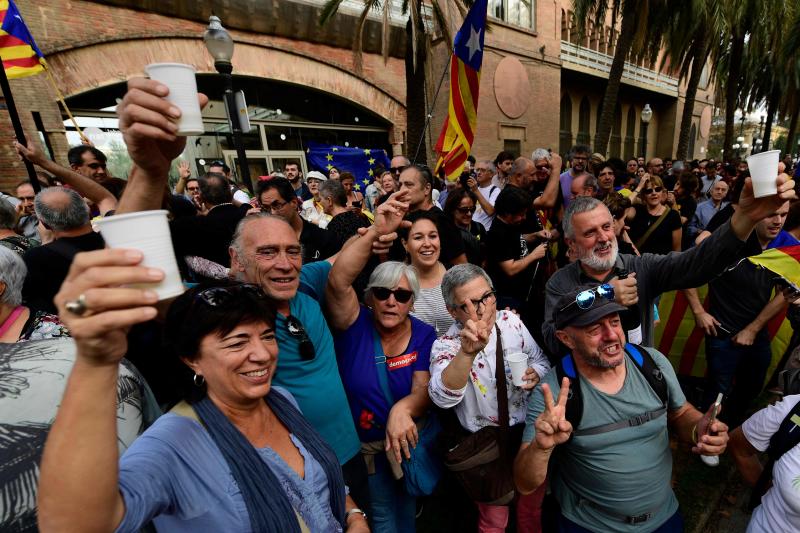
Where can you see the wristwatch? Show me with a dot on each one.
(354, 510)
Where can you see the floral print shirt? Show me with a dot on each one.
(476, 404)
(43, 326)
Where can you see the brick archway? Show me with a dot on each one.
(98, 65)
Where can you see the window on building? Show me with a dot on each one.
(565, 128)
(630, 131)
(516, 12)
(584, 118)
(512, 145)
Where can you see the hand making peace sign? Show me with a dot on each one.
(475, 333)
(552, 427)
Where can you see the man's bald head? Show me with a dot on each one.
(521, 173)
(61, 209)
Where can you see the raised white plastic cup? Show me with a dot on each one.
(148, 232)
(182, 85)
(518, 363)
(764, 172)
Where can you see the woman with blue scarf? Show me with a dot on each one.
(237, 455)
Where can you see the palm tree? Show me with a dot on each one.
(636, 24)
(690, 43)
(416, 54)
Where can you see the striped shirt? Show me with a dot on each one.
(431, 309)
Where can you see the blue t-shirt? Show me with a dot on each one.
(315, 384)
(175, 474)
(355, 352)
(784, 238)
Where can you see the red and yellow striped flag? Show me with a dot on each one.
(21, 57)
(458, 130)
(784, 261)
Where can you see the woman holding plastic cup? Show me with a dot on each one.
(463, 370)
(235, 455)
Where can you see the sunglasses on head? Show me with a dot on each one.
(296, 330)
(401, 295)
(585, 299)
(219, 296)
(651, 190)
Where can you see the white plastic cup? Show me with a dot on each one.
(182, 85)
(518, 363)
(764, 172)
(148, 232)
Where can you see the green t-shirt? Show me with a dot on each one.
(626, 471)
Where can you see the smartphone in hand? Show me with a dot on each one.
(714, 411)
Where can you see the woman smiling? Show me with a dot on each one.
(238, 456)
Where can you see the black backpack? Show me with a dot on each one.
(643, 362)
(784, 439)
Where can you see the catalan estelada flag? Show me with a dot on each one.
(458, 131)
(21, 57)
(784, 262)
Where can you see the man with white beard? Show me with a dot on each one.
(639, 280)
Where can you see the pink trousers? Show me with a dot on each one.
(494, 518)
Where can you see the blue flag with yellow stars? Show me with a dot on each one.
(360, 162)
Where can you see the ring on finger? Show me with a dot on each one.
(78, 306)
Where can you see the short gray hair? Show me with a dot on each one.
(236, 240)
(59, 215)
(581, 204)
(8, 214)
(490, 165)
(12, 273)
(541, 153)
(388, 275)
(461, 275)
(519, 166)
(334, 190)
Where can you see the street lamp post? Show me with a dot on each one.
(220, 45)
(647, 115)
(739, 144)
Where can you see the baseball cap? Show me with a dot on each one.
(569, 313)
(315, 175)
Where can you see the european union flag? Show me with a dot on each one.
(360, 162)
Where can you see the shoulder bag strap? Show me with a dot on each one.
(380, 368)
(643, 239)
(502, 386)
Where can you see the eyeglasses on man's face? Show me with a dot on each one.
(486, 299)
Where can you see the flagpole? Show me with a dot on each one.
(60, 98)
(428, 113)
(18, 131)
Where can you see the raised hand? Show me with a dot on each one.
(475, 333)
(625, 291)
(390, 213)
(29, 150)
(99, 280)
(756, 209)
(147, 123)
(552, 426)
(183, 169)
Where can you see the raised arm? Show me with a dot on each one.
(550, 194)
(86, 187)
(79, 470)
(147, 124)
(340, 296)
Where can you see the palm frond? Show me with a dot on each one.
(330, 8)
(415, 19)
(441, 21)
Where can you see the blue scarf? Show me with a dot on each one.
(268, 506)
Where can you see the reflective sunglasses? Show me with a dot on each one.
(585, 299)
(219, 296)
(296, 330)
(401, 295)
(484, 300)
(651, 190)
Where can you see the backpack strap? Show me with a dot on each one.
(574, 409)
(650, 371)
(786, 438)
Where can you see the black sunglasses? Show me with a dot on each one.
(297, 331)
(401, 295)
(465, 210)
(398, 170)
(652, 190)
(219, 296)
(585, 299)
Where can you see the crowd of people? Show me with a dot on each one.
(339, 357)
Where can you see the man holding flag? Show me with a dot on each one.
(458, 130)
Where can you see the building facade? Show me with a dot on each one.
(541, 85)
